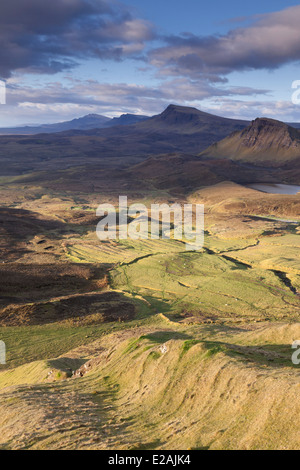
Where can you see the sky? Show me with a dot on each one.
(67, 58)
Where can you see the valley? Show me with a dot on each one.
(139, 344)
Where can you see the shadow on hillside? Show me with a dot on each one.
(157, 444)
(271, 355)
(98, 308)
(66, 364)
(161, 337)
(18, 226)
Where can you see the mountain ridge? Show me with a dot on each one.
(264, 141)
(189, 119)
(174, 117)
(87, 122)
(176, 130)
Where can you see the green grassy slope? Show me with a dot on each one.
(131, 395)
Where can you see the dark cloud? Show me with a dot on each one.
(50, 36)
(271, 41)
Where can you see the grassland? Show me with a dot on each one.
(128, 392)
(141, 344)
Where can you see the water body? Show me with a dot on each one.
(275, 188)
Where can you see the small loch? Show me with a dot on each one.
(290, 189)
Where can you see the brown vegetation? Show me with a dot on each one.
(98, 308)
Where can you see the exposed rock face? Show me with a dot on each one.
(266, 133)
(265, 142)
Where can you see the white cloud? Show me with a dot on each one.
(55, 101)
(271, 41)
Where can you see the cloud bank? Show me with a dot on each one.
(51, 36)
(270, 42)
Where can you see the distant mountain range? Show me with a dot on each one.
(265, 150)
(186, 120)
(177, 129)
(174, 118)
(224, 146)
(91, 121)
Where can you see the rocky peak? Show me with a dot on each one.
(266, 133)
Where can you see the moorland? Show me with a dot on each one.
(139, 344)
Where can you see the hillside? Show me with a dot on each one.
(139, 344)
(177, 129)
(179, 118)
(180, 390)
(191, 120)
(264, 142)
(182, 174)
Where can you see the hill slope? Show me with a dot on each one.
(158, 388)
(191, 120)
(265, 141)
(177, 129)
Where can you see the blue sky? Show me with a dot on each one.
(67, 58)
(202, 17)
